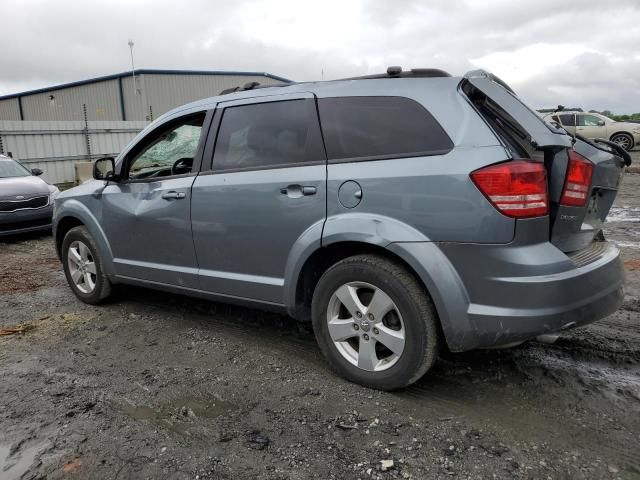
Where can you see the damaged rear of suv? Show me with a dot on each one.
(399, 213)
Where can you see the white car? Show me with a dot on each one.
(595, 125)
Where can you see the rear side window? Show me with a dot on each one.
(361, 128)
(568, 119)
(266, 135)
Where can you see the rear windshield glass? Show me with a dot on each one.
(379, 127)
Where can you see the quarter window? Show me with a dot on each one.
(568, 119)
(168, 151)
(273, 134)
(378, 127)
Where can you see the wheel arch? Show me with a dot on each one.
(74, 214)
(422, 259)
(628, 134)
(63, 226)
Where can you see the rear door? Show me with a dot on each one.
(568, 121)
(265, 186)
(524, 134)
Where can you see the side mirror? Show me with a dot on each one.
(104, 168)
(36, 171)
(601, 123)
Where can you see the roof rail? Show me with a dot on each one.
(252, 86)
(397, 72)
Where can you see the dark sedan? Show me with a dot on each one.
(26, 201)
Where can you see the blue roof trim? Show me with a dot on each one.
(143, 71)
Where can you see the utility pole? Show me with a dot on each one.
(133, 69)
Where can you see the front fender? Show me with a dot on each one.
(76, 209)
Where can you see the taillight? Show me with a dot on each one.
(576, 185)
(517, 188)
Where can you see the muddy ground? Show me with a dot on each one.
(161, 386)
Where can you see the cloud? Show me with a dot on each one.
(571, 52)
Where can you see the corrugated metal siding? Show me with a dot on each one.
(56, 146)
(102, 100)
(133, 102)
(153, 95)
(165, 92)
(9, 109)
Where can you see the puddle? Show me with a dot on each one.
(627, 244)
(624, 214)
(12, 467)
(178, 415)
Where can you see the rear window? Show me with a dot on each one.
(568, 119)
(361, 128)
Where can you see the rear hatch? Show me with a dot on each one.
(579, 200)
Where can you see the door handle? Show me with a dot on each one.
(295, 191)
(173, 195)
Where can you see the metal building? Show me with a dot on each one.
(135, 95)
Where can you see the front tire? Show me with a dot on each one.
(83, 267)
(374, 322)
(624, 140)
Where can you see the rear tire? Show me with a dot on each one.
(83, 267)
(355, 343)
(625, 140)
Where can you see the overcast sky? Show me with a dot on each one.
(575, 52)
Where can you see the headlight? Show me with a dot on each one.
(53, 193)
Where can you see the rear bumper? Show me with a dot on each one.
(550, 303)
(512, 293)
(24, 221)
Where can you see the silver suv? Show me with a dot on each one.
(401, 214)
(595, 125)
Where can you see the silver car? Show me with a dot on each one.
(26, 201)
(401, 214)
(595, 125)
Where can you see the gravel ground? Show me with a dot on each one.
(153, 385)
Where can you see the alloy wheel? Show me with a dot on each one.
(622, 140)
(82, 267)
(365, 326)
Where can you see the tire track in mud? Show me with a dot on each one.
(478, 395)
(507, 400)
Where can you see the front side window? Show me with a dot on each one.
(273, 134)
(366, 127)
(10, 168)
(169, 151)
(588, 121)
(568, 119)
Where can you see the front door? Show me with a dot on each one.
(147, 214)
(590, 126)
(266, 187)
